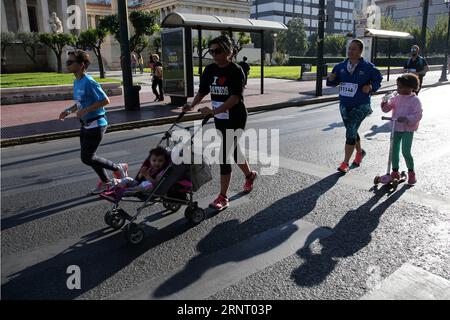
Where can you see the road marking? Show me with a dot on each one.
(411, 283)
(206, 275)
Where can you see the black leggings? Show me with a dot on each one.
(157, 82)
(90, 139)
(222, 126)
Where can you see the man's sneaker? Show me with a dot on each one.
(220, 203)
(358, 158)
(101, 187)
(122, 172)
(248, 185)
(411, 177)
(395, 175)
(343, 167)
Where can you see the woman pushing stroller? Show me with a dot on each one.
(224, 80)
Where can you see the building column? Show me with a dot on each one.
(43, 15)
(114, 8)
(4, 21)
(61, 8)
(82, 5)
(93, 22)
(22, 16)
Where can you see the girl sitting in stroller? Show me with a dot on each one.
(150, 173)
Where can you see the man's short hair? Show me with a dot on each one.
(81, 56)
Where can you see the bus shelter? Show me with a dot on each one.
(377, 34)
(176, 43)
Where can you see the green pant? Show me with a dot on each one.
(406, 139)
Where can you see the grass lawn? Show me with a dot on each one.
(40, 79)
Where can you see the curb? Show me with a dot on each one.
(168, 120)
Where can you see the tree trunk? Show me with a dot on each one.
(98, 53)
(58, 58)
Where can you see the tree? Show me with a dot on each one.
(268, 40)
(243, 39)
(157, 44)
(312, 45)
(93, 39)
(7, 40)
(294, 40)
(205, 42)
(30, 43)
(111, 25)
(334, 45)
(144, 23)
(438, 36)
(57, 42)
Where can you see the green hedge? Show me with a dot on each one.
(382, 61)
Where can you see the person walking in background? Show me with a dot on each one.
(134, 62)
(246, 68)
(157, 80)
(89, 108)
(357, 79)
(141, 63)
(417, 65)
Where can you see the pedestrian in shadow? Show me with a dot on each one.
(246, 68)
(157, 80)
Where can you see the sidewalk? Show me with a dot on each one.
(33, 122)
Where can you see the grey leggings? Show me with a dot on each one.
(90, 140)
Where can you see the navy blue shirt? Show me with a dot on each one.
(351, 84)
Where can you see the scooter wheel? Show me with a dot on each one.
(376, 180)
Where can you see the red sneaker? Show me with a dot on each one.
(395, 175)
(343, 167)
(412, 177)
(359, 157)
(248, 185)
(220, 203)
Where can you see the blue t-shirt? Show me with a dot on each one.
(86, 92)
(351, 84)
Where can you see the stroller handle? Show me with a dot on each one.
(180, 116)
(387, 118)
(206, 119)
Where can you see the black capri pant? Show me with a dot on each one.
(222, 126)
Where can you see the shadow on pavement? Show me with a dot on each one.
(351, 234)
(292, 207)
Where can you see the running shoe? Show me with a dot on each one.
(248, 185)
(395, 175)
(101, 187)
(411, 177)
(358, 158)
(220, 203)
(343, 167)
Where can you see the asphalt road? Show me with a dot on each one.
(305, 232)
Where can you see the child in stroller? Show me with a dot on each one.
(148, 176)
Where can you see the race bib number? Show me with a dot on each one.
(223, 115)
(347, 89)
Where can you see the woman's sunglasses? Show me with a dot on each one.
(70, 62)
(215, 51)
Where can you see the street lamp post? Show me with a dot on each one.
(444, 66)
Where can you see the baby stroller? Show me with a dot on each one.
(174, 189)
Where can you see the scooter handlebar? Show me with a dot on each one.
(206, 119)
(180, 116)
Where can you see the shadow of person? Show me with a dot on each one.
(275, 217)
(99, 255)
(351, 234)
(378, 129)
(333, 126)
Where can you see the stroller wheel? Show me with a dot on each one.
(134, 234)
(394, 184)
(108, 217)
(195, 214)
(171, 206)
(117, 220)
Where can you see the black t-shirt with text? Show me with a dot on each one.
(222, 83)
(418, 64)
